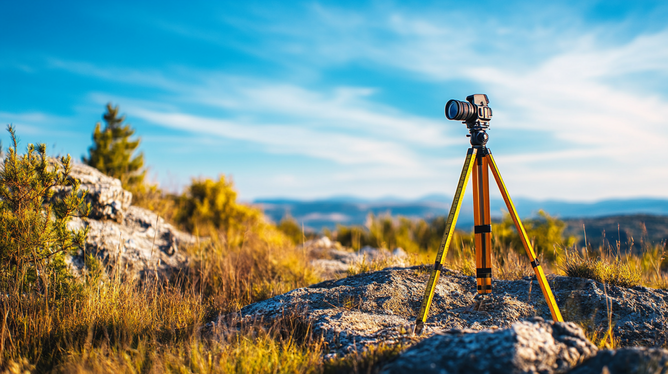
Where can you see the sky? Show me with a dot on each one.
(309, 100)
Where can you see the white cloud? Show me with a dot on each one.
(341, 148)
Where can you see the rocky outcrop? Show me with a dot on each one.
(126, 237)
(524, 347)
(381, 306)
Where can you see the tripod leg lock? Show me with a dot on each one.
(438, 266)
(483, 273)
(481, 229)
(535, 263)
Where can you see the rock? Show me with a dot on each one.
(331, 260)
(124, 236)
(399, 252)
(142, 243)
(107, 198)
(381, 306)
(626, 361)
(524, 347)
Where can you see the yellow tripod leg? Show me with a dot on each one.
(540, 275)
(445, 242)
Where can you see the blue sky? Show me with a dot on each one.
(315, 99)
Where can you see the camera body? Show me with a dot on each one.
(475, 113)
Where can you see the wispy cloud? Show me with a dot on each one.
(289, 139)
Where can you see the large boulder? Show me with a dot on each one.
(524, 347)
(381, 306)
(132, 239)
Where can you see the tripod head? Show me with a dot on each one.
(475, 114)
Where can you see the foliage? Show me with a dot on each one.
(124, 326)
(112, 150)
(545, 232)
(210, 207)
(417, 235)
(292, 230)
(385, 231)
(151, 197)
(33, 221)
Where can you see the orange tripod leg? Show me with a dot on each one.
(445, 242)
(483, 225)
(540, 275)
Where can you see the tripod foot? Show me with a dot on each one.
(419, 325)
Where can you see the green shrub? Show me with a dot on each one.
(290, 227)
(545, 232)
(209, 207)
(385, 231)
(33, 222)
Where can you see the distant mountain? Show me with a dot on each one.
(348, 210)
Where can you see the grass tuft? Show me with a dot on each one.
(615, 270)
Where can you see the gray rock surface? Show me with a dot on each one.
(626, 361)
(107, 198)
(382, 306)
(524, 347)
(129, 238)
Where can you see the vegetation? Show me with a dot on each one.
(208, 207)
(103, 322)
(112, 150)
(33, 221)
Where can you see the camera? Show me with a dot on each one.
(475, 113)
(473, 110)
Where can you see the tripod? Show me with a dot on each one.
(478, 160)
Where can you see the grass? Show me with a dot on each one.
(615, 270)
(627, 269)
(113, 325)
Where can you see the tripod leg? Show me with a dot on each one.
(483, 225)
(540, 275)
(445, 242)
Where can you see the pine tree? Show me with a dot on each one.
(112, 150)
(33, 221)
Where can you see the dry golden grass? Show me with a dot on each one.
(620, 269)
(113, 324)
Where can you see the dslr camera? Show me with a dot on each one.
(474, 113)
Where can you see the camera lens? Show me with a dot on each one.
(451, 109)
(460, 110)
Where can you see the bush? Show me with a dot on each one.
(33, 222)
(209, 207)
(545, 232)
(292, 230)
